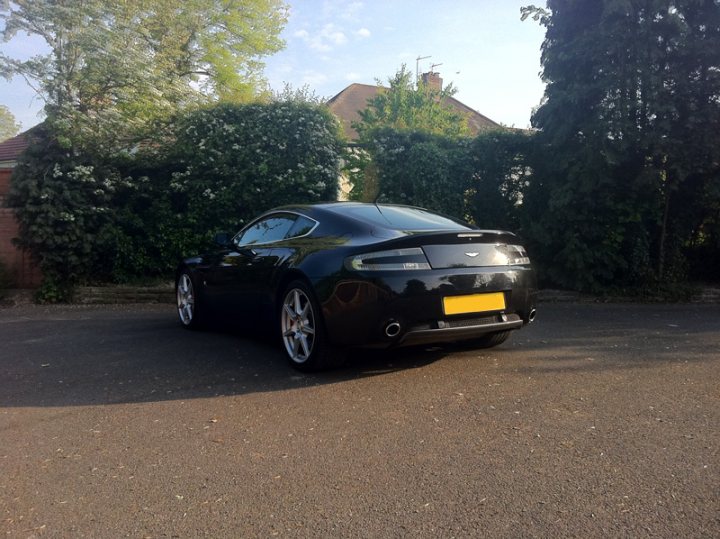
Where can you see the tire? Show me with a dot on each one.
(490, 340)
(302, 331)
(187, 301)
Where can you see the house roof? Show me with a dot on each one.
(11, 148)
(347, 104)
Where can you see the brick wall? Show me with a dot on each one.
(24, 273)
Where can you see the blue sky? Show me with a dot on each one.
(485, 50)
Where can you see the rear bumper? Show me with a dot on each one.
(443, 335)
(359, 308)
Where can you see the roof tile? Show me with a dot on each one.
(11, 149)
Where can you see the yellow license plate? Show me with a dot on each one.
(475, 303)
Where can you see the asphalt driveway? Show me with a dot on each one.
(596, 421)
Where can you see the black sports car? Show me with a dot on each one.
(337, 275)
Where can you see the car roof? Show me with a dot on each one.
(343, 211)
(339, 207)
(396, 217)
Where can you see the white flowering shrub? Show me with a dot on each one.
(219, 167)
(235, 161)
(134, 214)
(64, 206)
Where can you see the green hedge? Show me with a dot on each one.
(239, 160)
(417, 168)
(223, 166)
(479, 179)
(586, 226)
(133, 215)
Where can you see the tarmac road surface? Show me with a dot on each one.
(595, 421)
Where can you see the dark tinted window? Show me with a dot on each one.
(272, 228)
(402, 218)
(302, 226)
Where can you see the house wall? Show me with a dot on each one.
(24, 273)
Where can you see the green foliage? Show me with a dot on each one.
(64, 207)
(403, 106)
(501, 171)
(54, 289)
(420, 169)
(304, 94)
(8, 126)
(151, 233)
(135, 217)
(415, 111)
(116, 68)
(222, 41)
(628, 141)
(481, 180)
(223, 165)
(238, 160)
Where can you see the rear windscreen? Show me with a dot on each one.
(401, 218)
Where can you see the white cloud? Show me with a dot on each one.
(363, 32)
(352, 76)
(333, 34)
(328, 37)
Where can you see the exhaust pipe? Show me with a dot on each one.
(392, 329)
(531, 317)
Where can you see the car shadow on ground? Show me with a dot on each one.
(85, 357)
(84, 362)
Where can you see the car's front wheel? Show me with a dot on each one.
(302, 331)
(187, 303)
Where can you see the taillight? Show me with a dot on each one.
(391, 260)
(514, 255)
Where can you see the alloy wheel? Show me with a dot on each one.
(298, 326)
(185, 299)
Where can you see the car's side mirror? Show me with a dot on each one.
(222, 239)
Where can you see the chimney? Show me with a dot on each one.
(432, 80)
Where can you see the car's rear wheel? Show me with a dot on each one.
(187, 303)
(302, 330)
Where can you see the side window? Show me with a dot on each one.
(302, 226)
(272, 228)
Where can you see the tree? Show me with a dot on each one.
(404, 106)
(8, 126)
(500, 172)
(629, 128)
(114, 68)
